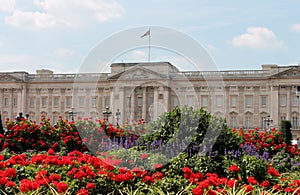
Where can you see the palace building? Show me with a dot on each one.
(246, 98)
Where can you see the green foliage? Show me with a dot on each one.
(285, 128)
(251, 166)
(197, 128)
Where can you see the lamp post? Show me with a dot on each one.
(106, 113)
(72, 113)
(118, 116)
(268, 120)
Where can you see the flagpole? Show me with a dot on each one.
(149, 46)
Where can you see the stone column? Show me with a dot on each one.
(166, 99)
(288, 103)
(274, 109)
(24, 99)
(50, 104)
(62, 101)
(241, 105)
(132, 110)
(2, 99)
(256, 105)
(155, 103)
(144, 108)
(11, 104)
(121, 105)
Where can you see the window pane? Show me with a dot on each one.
(140, 101)
(263, 100)
(56, 101)
(233, 101)
(44, 101)
(294, 101)
(94, 102)
(219, 101)
(204, 101)
(248, 101)
(128, 102)
(69, 101)
(283, 100)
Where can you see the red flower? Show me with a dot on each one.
(50, 151)
(248, 188)
(232, 183)
(90, 186)
(61, 187)
(234, 168)
(252, 180)
(277, 187)
(273, 172)
(198, 191)
(82, 192)
(54, 177)
(157, 166)
(10, 184)
(265, 183)
(144, 156)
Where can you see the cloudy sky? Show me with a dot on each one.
(59, 34)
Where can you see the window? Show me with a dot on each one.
(175, 102)
(151, 100)
(248, 101)
(294, 101)
(219, 101)
(15, 102)
(263, 122)
(140, 101)
(5, 102)
(233, 121)
(190, 100)
(128, 102)
(94, 102)
(233, 101)
(69, 102)
(31, 102)
(282, 118)
(248, 122)
(106, 102)
(204, 101)
(81, 101)
(263, 100)
(294, 122)
(55, 119)
(282, 100)
(56, 101)
(44, 101)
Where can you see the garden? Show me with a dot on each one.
(185, 151)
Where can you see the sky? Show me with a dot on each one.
(59, 34)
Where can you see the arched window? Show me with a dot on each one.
(263, 117)
(248, 120)
(233, 119)
(295, 120)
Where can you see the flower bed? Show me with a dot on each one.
(46, 159)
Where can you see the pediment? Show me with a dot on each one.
(8, 78)
(292, 72)
(138, 73)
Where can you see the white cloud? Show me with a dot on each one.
(62, 52)
(31, 20)
(70, 13)
(138, 55)
(296, 27)
(258, 38)
(7, 5)
(211, 47)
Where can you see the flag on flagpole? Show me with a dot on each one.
(146, 34)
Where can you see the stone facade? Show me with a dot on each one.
(247, 98)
